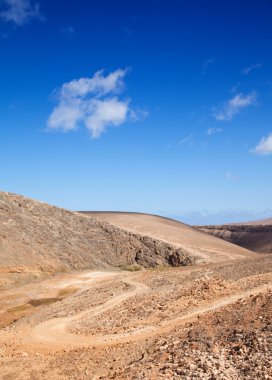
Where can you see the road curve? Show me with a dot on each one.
(54, 332)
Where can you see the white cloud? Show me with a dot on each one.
(212, 131)
(92, 102)
(65, 116)
(233, 106)
(20, 12)
(247, 70)
(264, 147)
(105, 113)
(98, 85)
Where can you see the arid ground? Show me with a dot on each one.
(173, 303)
(255, 236)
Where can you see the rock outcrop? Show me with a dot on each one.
(257, 238)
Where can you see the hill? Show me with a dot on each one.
(261, 222)
(193, 321)
(203, 247)
(255, 236)
(38, 239)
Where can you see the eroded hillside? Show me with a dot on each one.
(253, 236)
(38, 239)
(202, 246)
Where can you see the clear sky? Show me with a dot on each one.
(153, 106)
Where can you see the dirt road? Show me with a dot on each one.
(95, 323)
(55, 332)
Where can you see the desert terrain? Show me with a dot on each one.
(127, 296)
(255, 236)
(199, 245)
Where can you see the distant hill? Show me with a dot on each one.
(255, 236)
(261, 222)
(203, 247)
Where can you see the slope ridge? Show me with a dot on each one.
(204, 247)
(36, 238)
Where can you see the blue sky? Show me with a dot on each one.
(152, 106)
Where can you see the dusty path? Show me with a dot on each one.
(118, 320)
(54, 332)
(51, 287)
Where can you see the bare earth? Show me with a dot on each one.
(207, 320)
(170, 323)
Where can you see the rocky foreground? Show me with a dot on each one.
(197, 322)
(233, 343)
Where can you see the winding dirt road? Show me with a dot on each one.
(55, 330)
(55, 333)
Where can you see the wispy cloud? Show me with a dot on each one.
(185, 139)
(264, 147)
(93, 102)
(206, 64)
(20, 12)
(247, 70)
(234, 106)
(68, 31)
(231, 177)
(212, 131)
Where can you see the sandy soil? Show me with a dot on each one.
(125, 325)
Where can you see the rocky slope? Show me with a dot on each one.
(36, 238)
(239, 348)
(257, 238)
(200, 245)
